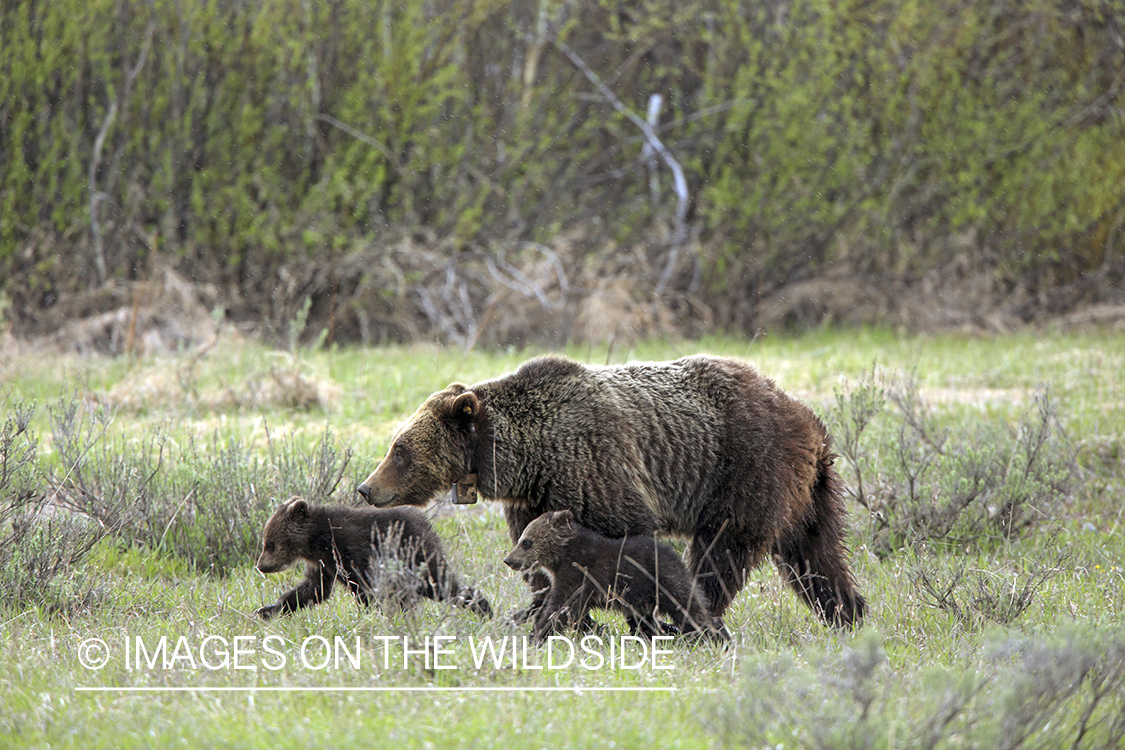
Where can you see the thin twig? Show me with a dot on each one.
(363, 137)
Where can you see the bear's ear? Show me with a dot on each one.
(298, 507)
(564, 518)
(465, 407)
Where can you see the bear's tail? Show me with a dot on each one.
(812, 558)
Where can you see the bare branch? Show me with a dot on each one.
(97, 196)
(364, 138)
(679, 224)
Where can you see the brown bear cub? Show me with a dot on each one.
(352, 545)
(702, 448)
(636, 575)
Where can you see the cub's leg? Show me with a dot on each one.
(313, 589)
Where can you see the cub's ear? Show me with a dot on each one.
(465, 407)
(563, 518)
(298, 507)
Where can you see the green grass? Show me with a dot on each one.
(786, 680)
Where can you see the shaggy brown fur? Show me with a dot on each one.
(347, 544)
(635, 575)
(702, 447)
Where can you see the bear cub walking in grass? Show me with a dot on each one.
(637, 576)
(364, 549)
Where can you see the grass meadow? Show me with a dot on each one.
(986, 481)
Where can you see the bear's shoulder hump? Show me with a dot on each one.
(549, 367)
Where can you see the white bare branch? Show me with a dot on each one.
(679, 222)
(97, 196)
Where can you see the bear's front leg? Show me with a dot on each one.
(313, 589)
(540, 586)
(648, 627)
(550, 620)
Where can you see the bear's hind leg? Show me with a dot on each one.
(443, 586)
(720, 562)
(812, 558)
(648, 627)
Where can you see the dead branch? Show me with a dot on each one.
(679, 223)
(364, 138)
(97, 196)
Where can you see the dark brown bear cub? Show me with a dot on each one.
(702, 448)
(637, 576)
(349, 545)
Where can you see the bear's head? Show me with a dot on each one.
(542, 543)
(429, 453)
(286, 536)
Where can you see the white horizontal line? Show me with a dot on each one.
(405, 689)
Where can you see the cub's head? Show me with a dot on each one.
(428, 453)
(542, 542)
(286, 536)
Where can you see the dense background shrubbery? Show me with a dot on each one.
(408, 165)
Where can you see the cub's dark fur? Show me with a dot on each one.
(637, 576)
(348, 544)
(703, 448)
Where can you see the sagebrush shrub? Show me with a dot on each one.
(961, 482)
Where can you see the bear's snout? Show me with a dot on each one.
(370, 495)
(373, 496)
(267, 566)
(513, 563)
(375, 491)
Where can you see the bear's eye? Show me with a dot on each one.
(526, 544)
(270, 547)
(400, 454)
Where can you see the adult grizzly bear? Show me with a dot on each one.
(702, 447)
(638, 576)
(348, 545)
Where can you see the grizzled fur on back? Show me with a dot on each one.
(638, 576)
(350, 545)
(703, 448)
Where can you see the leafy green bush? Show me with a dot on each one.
(235, 139)
(202, 501)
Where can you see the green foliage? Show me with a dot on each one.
(1024, 651)
(203, 501)
(40, 544)
(18, 449)
(1059, 690)
(965, 485)
(239, 136)
(998, 594)
(904, 125)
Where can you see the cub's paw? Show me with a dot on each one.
(525, 615)
(267, 612)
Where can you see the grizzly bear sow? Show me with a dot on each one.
(702, 447)
(351, 545)
(635, 575)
